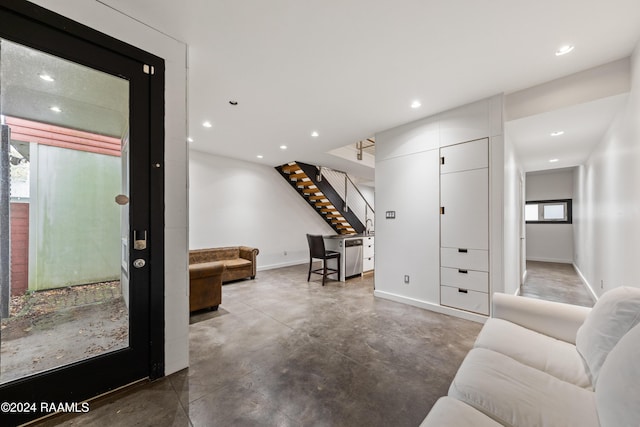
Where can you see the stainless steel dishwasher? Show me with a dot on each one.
(352, 257)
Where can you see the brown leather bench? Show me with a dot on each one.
(205, 285)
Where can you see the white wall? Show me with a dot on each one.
(410, 243)
(550, 242)
(513, 200)
(408, 182)
(369, 194)
(111, 22)
(607, 202)
(232, 202)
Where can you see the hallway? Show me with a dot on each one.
(555, 282)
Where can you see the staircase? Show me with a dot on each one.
(321, 195)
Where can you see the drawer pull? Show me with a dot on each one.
(462, 291)
(462, 251)
(463, 271)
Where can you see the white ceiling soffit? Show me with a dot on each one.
(578, 108)
(351, 69)
(583, 125)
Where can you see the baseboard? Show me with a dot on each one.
(585, 282)
(430, 306)
(281, 264)
(559, 261)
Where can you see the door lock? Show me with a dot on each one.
(139, 244)
(139, 263)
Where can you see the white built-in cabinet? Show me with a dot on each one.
(464, 226)
(368, 252)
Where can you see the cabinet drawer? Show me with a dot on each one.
(367, 264)
(477, 302)
(368, 251)
(471, 259)
(465, 279)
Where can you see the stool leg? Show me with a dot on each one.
(324, 272)
(310, 265)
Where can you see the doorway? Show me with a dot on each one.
(81, 259)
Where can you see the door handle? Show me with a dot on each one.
(139, 263)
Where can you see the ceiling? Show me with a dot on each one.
(349, 69)
(87, 99)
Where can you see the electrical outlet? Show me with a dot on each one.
(406, 278)
(285, 253)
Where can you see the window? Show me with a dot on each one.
(548, 212)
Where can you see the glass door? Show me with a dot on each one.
(75, 223)
(68, 269)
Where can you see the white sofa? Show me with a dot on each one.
(541, 363)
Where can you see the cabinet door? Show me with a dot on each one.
(465, 199)
(467, 156)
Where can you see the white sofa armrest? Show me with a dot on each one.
(554, 319)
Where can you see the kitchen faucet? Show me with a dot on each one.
(367, 230)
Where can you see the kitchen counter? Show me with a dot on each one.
(347, 236)
(352, 254)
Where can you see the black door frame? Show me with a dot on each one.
(39, 28)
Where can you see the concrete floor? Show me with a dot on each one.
(281, 351)
(555, 282)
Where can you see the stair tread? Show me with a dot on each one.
(324, 204)
(310, 190)
(290, 168)
(304, 183)
(298, 176)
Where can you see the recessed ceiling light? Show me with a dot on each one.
(416, 104)
(46, 77)
(233, 102)
(283, 147)
(557, 133)
(207, 124)
(564, 50)
(315, 134)
(260, 156)
(55, 109)
(554, 160)
(190, 139)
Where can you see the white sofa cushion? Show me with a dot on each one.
(555, 357)
(618, 392)
(554, 319)
(514, 394)
(450, 412)
(615, 314)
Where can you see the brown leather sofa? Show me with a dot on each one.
(239, 261)
(205, 285)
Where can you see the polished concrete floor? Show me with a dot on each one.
(555, 282)
(284, 352)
